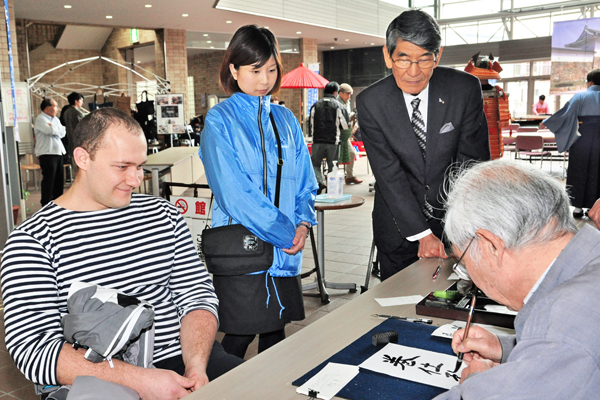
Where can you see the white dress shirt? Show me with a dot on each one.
(48, 132)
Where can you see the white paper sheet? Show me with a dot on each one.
(416, 365)
(500, 309)
(399, 301)
(330, 380)
(447, 331)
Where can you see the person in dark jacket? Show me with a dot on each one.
(326, 118)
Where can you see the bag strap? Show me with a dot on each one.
(279, 160)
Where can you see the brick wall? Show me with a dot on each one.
(4, 63)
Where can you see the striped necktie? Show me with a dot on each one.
(418, 125)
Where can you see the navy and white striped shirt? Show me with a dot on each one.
(144, 250)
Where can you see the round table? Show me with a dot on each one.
(321, 207)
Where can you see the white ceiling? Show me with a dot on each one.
(202, 17)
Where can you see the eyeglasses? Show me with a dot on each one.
(459, 268)
(406, 64)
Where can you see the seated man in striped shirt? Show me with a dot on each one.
(100, 232)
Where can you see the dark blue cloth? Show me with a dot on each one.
(369, 385)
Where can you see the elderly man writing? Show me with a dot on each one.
(523, 250)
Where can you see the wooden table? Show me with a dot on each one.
(270, 374)
(183, 162)
(321, 207)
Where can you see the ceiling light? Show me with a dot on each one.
(206, 34)
(148, 5)
(298, 33)
(209, 41)
(139, 62)
(68, 6)
(347, 40)
(212, 47)
(332, 47)
(372, 44)
(184, 15)
(109, 17)
(266, 27)
(227, 22)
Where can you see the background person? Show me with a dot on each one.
(71, 117)
(445, 107)
(576, 127)
(49, 150)
(326, 119)
(237, 140)
(541, 107)
(344, 95)
(534, 262)
(102, 233)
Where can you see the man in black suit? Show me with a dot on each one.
(415, 124)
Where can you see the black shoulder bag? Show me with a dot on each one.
(234, 250)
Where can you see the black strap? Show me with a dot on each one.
(279, 161)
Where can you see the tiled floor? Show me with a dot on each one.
(348, 238)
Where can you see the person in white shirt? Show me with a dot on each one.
(50, 150)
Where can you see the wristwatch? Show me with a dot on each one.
(306, 224)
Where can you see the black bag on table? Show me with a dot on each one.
(144, 107)
(232, 249)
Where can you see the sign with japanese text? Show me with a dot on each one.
(197, 214)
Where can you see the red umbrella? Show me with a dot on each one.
(303, 78)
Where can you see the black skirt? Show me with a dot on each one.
(243, 306)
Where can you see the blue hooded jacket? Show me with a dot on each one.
(231, 148)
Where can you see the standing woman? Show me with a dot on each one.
(237, 142)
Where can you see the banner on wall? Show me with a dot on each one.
(21, 94)
(169, 114)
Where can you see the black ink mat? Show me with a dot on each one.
(369, 385)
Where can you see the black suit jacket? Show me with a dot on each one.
(457, 131)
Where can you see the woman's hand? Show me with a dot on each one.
(298, 242)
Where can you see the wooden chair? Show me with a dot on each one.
(532, 146)
(26, 149)
(531, 129)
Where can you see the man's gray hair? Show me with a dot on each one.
(520, 204)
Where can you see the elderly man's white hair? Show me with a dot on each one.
(520, 204)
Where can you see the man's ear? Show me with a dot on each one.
(387, 58)
(81, 158)
(490, 245)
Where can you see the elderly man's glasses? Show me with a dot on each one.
(403, 63)
(459, 268)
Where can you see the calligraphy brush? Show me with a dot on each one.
(460, 355)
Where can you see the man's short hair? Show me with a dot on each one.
(416, 27)
(45, 104)
(73, 97)
(90, 131)
(520, 204)
(594, 77)
(250, 45)
(346, 88)
(331, 88)
(542, 97)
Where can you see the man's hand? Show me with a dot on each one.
(298, 242)
(198, 374)
(430, 246)
(161, 384)
(480, 344)
(594, 213)
(542, 126)
(477, 364)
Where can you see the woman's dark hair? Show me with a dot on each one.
(250, 45)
